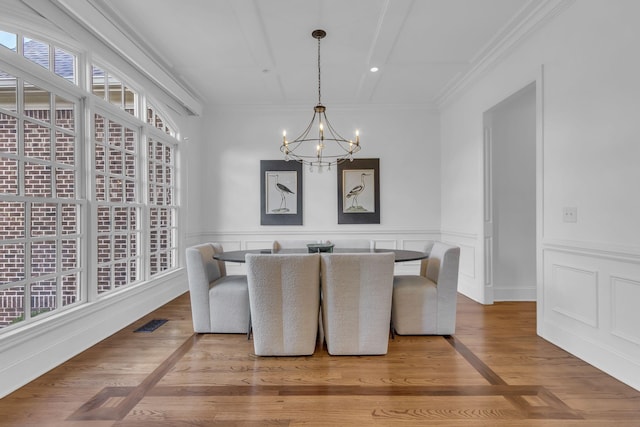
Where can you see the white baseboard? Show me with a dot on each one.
(514, 294)
(469, 288)
(26, 355)
(605, 358)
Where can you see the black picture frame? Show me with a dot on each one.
(359, 191)
(280, 204)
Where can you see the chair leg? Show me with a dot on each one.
(249, 328)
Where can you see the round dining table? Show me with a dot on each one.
(402, 255)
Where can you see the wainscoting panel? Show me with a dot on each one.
(573, 292)
(258, 244)
(412, 267)
(385, 243)
(625, 310)
(467, 260)
(488, 270)
(589, 305)
(471, 260)
(467, 243)
(231, 245)
(415, 244)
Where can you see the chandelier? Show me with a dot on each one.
(328, 147)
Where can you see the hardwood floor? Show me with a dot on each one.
(494, 372)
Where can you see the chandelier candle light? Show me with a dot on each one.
(323, 154)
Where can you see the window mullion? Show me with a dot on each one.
(27, 260)
(91, 210)
(59, 267)
(52, 143)
(83, 212)
(52, 58)
(20, 131)
(143, 198)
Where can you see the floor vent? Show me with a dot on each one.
(151, 325)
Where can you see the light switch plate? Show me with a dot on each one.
(570, 214)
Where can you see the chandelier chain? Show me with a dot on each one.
(319, 91)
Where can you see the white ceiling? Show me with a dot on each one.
(261, 51)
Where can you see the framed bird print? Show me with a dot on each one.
(359, 192)
(281, 192)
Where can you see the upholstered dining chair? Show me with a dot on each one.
(356, 302)
(425, 304)
(219, 303)
(284, 295)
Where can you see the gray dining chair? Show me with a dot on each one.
(284, 296)
(425, 304)
(356, 302)
(219, 303)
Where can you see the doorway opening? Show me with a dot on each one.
(510, 198)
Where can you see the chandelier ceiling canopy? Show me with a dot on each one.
(320, 145)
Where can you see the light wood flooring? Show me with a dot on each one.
(495, 371)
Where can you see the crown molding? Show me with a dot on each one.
(532, 17)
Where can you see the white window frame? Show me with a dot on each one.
(112, 113)
(86, 106)
(32, 73)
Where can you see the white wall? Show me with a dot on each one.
(405, 139)
(512, 125)
(589, 271)
(192, 185)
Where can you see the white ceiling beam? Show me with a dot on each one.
(393, 16)
(252, 27)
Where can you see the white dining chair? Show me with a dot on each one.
(425, 304)
(284, 296)
(219, 303)
(356, 302)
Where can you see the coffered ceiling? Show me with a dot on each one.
(260, 52)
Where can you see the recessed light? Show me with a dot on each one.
(374, 69)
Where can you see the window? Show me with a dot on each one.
(47, 260)
(162, 208)
(156, 120)
(161, 192)
(8, 40)
(110, 88)
(40, 208)
(37, 52)
(53, 58)
(118, 210)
